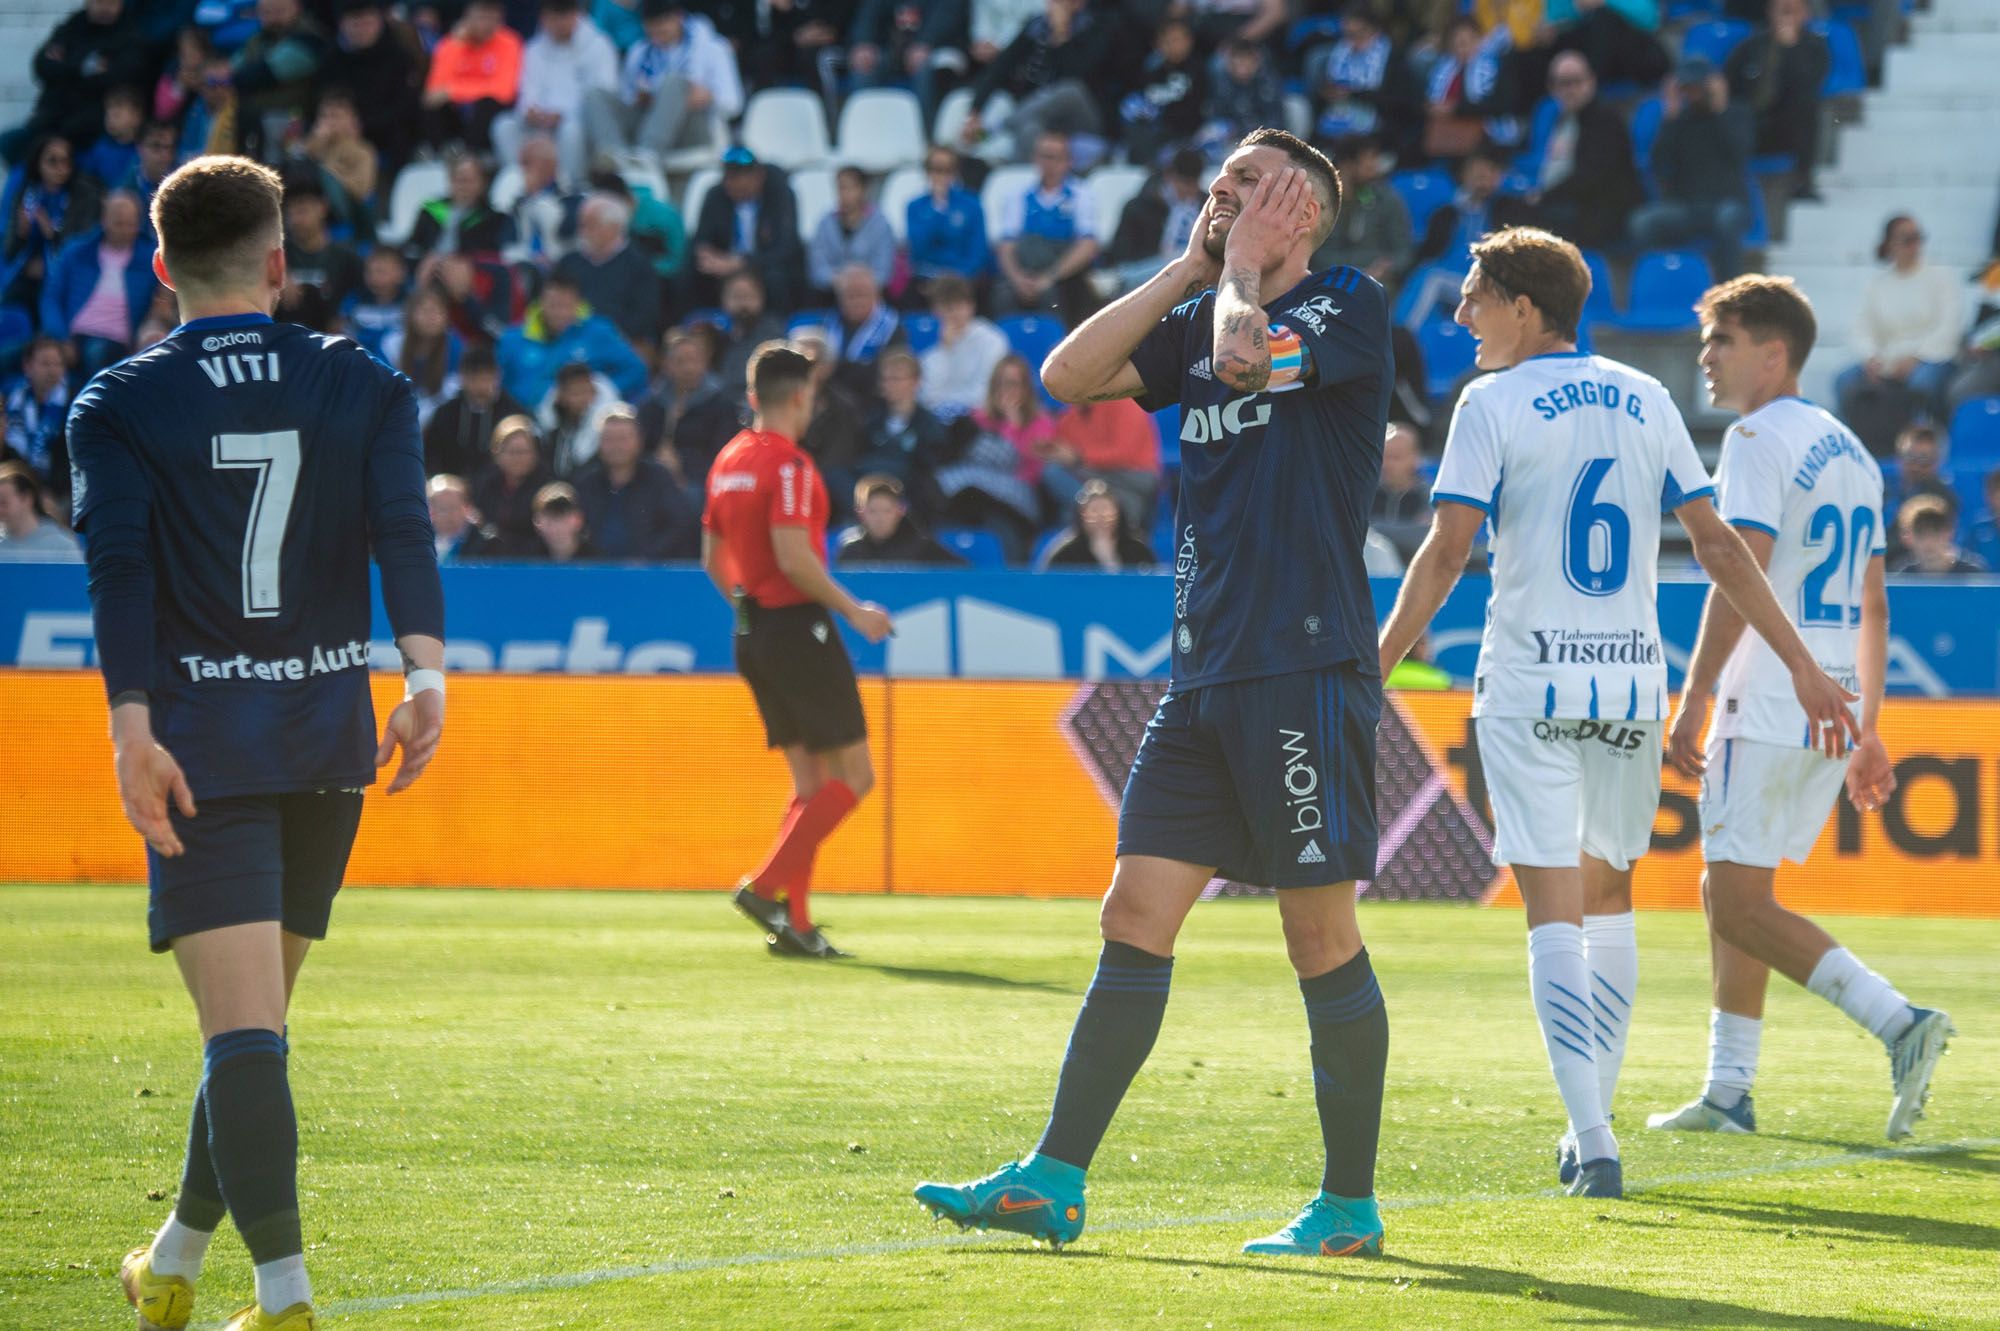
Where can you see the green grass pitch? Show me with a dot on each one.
(540, 1110)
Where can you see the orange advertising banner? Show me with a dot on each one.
(984, 788)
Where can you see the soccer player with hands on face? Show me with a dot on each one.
(1260, 761)
(1807, 499)
(1573, 458)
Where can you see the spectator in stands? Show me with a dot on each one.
(958, 369)
(1702, 163)
(1401, 509)
(385, 77)
(504, 493)
(36, 408)
(1985, 528)
(427, 349)
(892, 42)
(1052, 69)
(46, 205)
(632, 505)
(1777, 73)
(1100, 536)
(677, 82)
(1921, 454)
(567, 59)
(346, 159)
(1049, 237)
(1373, 232)
(210, 123)
(1469, 92)
(1615, 36)
(658, 233)
(1908, 328)
(26, 533)
(1154, 226)
(312, 257)
(569, 418)
(463, 222)
(116, 152)
(560, 328)
(884, 532)
(993, 25)
(853, 233)
(475, 75)
(692, 413)
(747, 327)
(101, 287)
(1165, 111)
(1363, 84)
(945, 227)
(1246, 96)
(159, 153)
(994, 484)
(1588, 182)
(458, 435)
(751, 221)
(100, 47)
(861, 327)
(837, 433)
(274, 77)
(1928, 525)
(559, 524)
(619, 20)
(1475, 209)
(617, 280)
(1114, 443)
(179, 85)
(904, 439)
(454, 524)
(544, 214)
(376, 310)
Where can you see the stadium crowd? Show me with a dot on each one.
(577, 329)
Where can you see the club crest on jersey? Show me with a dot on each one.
(819, 630)
(1211, 424)
(1315, 313)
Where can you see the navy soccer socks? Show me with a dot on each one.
(1114, 1033)
(1350, 1050)
(253, 1141)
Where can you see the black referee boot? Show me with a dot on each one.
(765, 913)
(786, 941)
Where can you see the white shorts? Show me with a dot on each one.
(1562, 789)
(1762, 803)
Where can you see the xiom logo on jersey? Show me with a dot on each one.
(1207, 425)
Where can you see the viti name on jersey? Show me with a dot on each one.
(1205, 425)
(257, 367)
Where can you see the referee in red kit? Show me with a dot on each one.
(764, 546)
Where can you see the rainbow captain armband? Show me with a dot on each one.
(1288, 356)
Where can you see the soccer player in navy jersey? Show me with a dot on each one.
(230, 483)
(1260, 762)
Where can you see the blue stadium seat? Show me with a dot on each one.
(1540, 126)
(1758, 234)
(1665, 286)
(17, 329)
(981, 548)
(1687, 9)
(713, 317)
(1448, 351)
(1424, 191)
(1975, 433)
(1601, 306)
(1771, 164)
(806, 321)
(1845, 75)
(1647, 117)
(1969, 484)
(1306, 30)
(1042, 544)
(1714, 39)
(1032, 336)
(922, 330)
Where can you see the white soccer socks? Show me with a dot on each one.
(1733, 1042)
(1611, 949)
(1870, 1000)
(1559, 981)
(178, 1250)
(282, 1284)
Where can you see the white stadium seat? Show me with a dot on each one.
(901, 186)
(880, 130)
(812, 186)
(697, 155)
(698, 186)
(1114, 187)
(786, 127)
(1003, 183)
(416, 184)
(506, 189)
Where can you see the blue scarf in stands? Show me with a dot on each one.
(865, 343)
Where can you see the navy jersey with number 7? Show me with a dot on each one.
(230, 482)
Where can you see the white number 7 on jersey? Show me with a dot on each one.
(275, 459)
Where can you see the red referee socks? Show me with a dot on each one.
(808, 824)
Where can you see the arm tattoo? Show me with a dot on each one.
(1242, 374)
(409, 662)
(1194, 288)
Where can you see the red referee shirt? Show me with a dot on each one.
(759, 481)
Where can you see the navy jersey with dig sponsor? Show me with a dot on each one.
(1276, 484)
(229, 482)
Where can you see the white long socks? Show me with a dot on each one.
(179, 1250)
(1611, 949)
(1733, 1042)
(1559, 981)
(282, 1283)
(1872, 1001)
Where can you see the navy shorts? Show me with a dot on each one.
(249, 858)
(799, 672)
(1270, 780)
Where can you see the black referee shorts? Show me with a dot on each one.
(798, 670)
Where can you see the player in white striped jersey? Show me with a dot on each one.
(1574, 458)
(1807, 499)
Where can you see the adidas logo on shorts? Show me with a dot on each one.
(1312, 854)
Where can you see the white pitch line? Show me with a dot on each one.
(685, 1265)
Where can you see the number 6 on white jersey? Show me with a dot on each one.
(275, 458)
